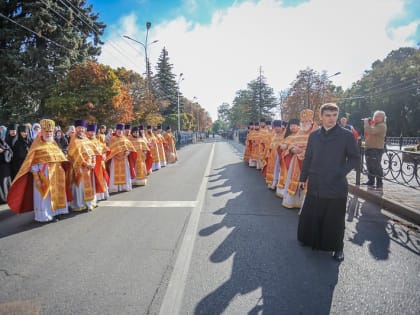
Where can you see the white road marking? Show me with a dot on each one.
(150, 204)
(172, 300)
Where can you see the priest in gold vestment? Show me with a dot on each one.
(41, 184)
(161, 145)
(122, 160)
(101, 178)
(154, 149)
(284, 156)
(293, 196)
(170, 149)
(262, 141)
(273, 161)
(83, 159)
(247, 152)
(254, 138)
(265, 146)
(140, 144)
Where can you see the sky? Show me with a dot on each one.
(220, 45)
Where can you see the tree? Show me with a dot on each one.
(223, 112)
(392, 85)
(143, 103)
(262, 97)
(242, 110)
(91, 91)
(219, 125)
(165, 87)
(251, 104)
(40, 40)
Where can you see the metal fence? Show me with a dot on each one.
(188, 137)
(185, 137)
(402, 141)
(399, 166)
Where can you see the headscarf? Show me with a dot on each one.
(3, 131)
(34, 133)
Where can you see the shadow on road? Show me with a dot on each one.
(11, 223)
(287, 278)
(378, 230)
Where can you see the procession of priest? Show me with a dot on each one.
(45, 170)
(306, 165)
(51, 172)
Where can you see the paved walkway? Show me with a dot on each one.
(401, 200)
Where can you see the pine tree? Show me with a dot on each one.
(252, 104)
(263, 98)
(165, 86)
(39, 42)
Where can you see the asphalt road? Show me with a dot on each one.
(204, 237)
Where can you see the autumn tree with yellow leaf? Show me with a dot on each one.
(93, 92)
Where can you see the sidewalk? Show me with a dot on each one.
(397, 199)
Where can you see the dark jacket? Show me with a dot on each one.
(330, 156)
(20, 150)
(11, 140)
(63, 143)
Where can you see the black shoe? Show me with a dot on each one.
(368, 183)
(338, 255)
(379, 187)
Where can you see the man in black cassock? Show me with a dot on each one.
(330, 155)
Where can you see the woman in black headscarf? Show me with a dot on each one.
(11, 135)
(20, 149)
(5, 169)
(61, 140)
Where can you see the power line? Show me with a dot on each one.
(49, 7)
(398, 84)
(34, 32)
(78, 15)
(132, 46)
(88, 23)
(389, 92)
(82, 14)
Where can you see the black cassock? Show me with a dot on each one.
(321, 223)
(330, 155)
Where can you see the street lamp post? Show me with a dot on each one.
(324, 85)
(192, 112)
(145, 45)
(198, 121)
(180, 78)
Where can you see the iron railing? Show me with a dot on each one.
(399, 166)
(401, 141)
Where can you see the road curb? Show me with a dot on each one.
(400, 210)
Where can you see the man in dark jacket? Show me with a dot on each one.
(331, 154)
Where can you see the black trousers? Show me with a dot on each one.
(322, 223)
(374, 166)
